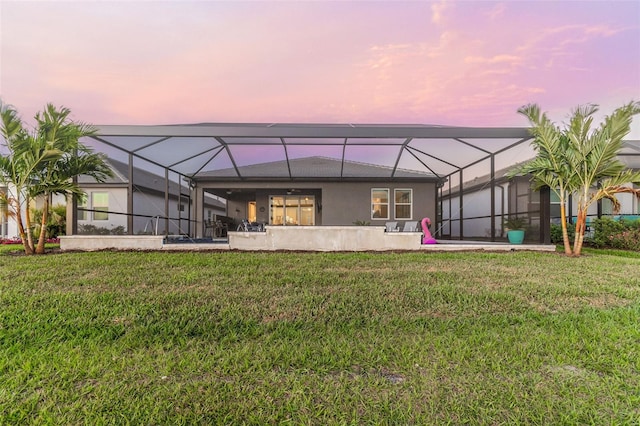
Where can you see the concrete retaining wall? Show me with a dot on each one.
(304, 238)
(325, 238)
(117, 242)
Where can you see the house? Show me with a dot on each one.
(466, 209)
(314, 191)
(105, 207)
(7, 226)
(297, 174)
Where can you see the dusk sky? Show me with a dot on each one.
(445, 62)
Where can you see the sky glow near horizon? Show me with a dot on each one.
(444, 62)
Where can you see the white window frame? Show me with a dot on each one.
(396, 204)
(388, 204)
(297, 207)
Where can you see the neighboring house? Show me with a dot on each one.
(106, 204)
(512, 197)
(104, 207)
(321, 191)
(7, 226)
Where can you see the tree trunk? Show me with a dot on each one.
(565, 233)
(43, 225)
(27, 230)
(23, 235)
(577, 248)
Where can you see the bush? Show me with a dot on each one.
(556, 233)
(56, 224)
(603, 228)
(624, 234)
(96, 230)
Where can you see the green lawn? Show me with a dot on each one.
(320, 338)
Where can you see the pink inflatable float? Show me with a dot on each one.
(427, 238)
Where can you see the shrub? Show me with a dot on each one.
(603, 228)
(623, 234)
(556, 233)
(514, 223)
(96, 230)
(56, 224)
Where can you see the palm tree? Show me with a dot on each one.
(45, 163)
(548, 168)
(16, 170)
(593, 154)
(56, 133)
(581, 160)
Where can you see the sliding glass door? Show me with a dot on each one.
(292, 210)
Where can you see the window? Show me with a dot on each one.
(555, 206)
(292, 210)
(379, 203)
(100, 205)
(403, 203)
(82, 204)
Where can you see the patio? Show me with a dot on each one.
(222, 159)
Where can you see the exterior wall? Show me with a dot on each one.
(153, 205)
(476, 205)
(337, 203)
(148, 206)
(117, 203)
(511, 198)
(345, 202)
(8, 227)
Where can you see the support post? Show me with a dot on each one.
(130, 198)
(493, 198)
(198, 207)
(461, 209)
(545, 215)
(166, 202)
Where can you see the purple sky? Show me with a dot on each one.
(445, 62)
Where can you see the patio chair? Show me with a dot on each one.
(247, 226)
(391, 226)
(220, 230)
(410, 226)
(209, 228)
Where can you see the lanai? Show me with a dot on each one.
(455, 155)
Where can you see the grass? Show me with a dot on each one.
(319, 338)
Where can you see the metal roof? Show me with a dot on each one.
(207, 149)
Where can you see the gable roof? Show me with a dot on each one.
(314, 168)
(143, 180)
